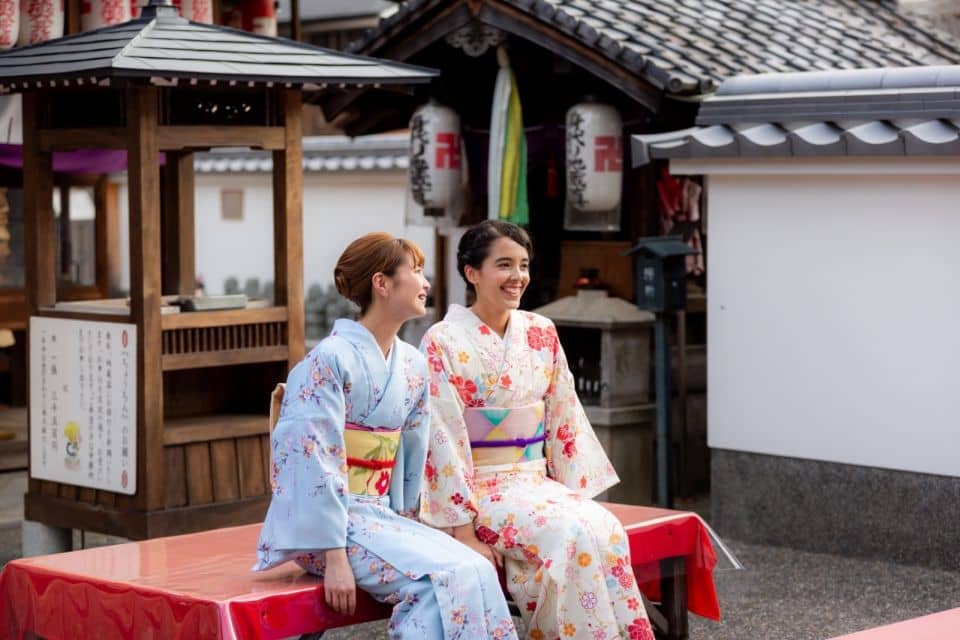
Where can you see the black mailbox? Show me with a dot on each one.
(661, 273)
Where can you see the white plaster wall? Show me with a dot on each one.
(834, 316)
(337, 208)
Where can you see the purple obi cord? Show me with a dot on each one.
(519, 442)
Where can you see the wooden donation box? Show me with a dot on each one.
(145, 419)
(607, 344)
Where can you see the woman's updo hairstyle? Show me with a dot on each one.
(475, 244)
(368, 255)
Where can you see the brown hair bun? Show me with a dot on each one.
(368, 255)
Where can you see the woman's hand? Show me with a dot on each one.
(339, 583)
(467, 535)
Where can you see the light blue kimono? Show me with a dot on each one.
(440, 588)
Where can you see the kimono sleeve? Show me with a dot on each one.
(449, 499)
(575, 457)
(308, 510)
(407, 481)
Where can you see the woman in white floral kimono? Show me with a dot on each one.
(348, 457)
(513, 461)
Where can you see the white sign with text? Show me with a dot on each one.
(83, 403)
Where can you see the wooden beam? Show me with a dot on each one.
(224, 318)
(172, 138)
(506, 17)
(214, 427)
(417, 39)
(288, 224)
(177, 219)
(71, 139)
(143, 170)
(224, 357)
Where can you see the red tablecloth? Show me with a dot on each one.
(937, 626)
(200, 585)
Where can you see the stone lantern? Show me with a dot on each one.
(607, 343)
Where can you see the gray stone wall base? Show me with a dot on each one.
(38, 539)
(856, 511)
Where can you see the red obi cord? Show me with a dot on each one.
(376, 465)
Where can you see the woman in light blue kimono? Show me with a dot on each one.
(348, 456)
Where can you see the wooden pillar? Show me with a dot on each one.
(177, 215)
(40, 251)
(66, 246)
(143, 171)
(39, 232)
(439, 275)
(288, 224)
(296, 30)
(107, 204)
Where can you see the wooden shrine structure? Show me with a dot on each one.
(161, 87)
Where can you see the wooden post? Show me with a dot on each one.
(177, 213)
(143, 171)
(296, 30)
(288, 224)
(673, 591)
(439, 275)
(66, 246)
(40, 251)
(107, 228)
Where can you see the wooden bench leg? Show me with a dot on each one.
(673, 591)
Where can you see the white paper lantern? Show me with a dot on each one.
(594, 156)
(9, 23)
(103, 13)
(40, 20)
(196, 10)
(259, 16)
(435, 163)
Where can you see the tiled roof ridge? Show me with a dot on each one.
(689, 46)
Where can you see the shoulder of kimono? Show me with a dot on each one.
(407, 350)
(334, 352)
(536, 320)
(439, 333)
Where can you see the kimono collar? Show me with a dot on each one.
(363, 340)
(459, 314)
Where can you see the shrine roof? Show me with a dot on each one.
(691, 46)
(166, 49)
(873, 112)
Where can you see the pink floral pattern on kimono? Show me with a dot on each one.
(567, 558)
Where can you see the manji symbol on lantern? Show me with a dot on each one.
(594, 156)
(9, 23)
(435, 163)
(103, 13)
(40, 20)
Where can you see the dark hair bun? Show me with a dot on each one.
(475, 244)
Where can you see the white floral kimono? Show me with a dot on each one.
(347, 460)
(512, 451)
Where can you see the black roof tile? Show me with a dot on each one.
(700, 43)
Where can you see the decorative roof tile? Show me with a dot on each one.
(387, 152)
(873, 112)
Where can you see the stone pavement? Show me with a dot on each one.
(783, 594)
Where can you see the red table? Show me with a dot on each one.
(937, 626)
(200, 585)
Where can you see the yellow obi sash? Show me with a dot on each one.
(371, 454)
(505, 436)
